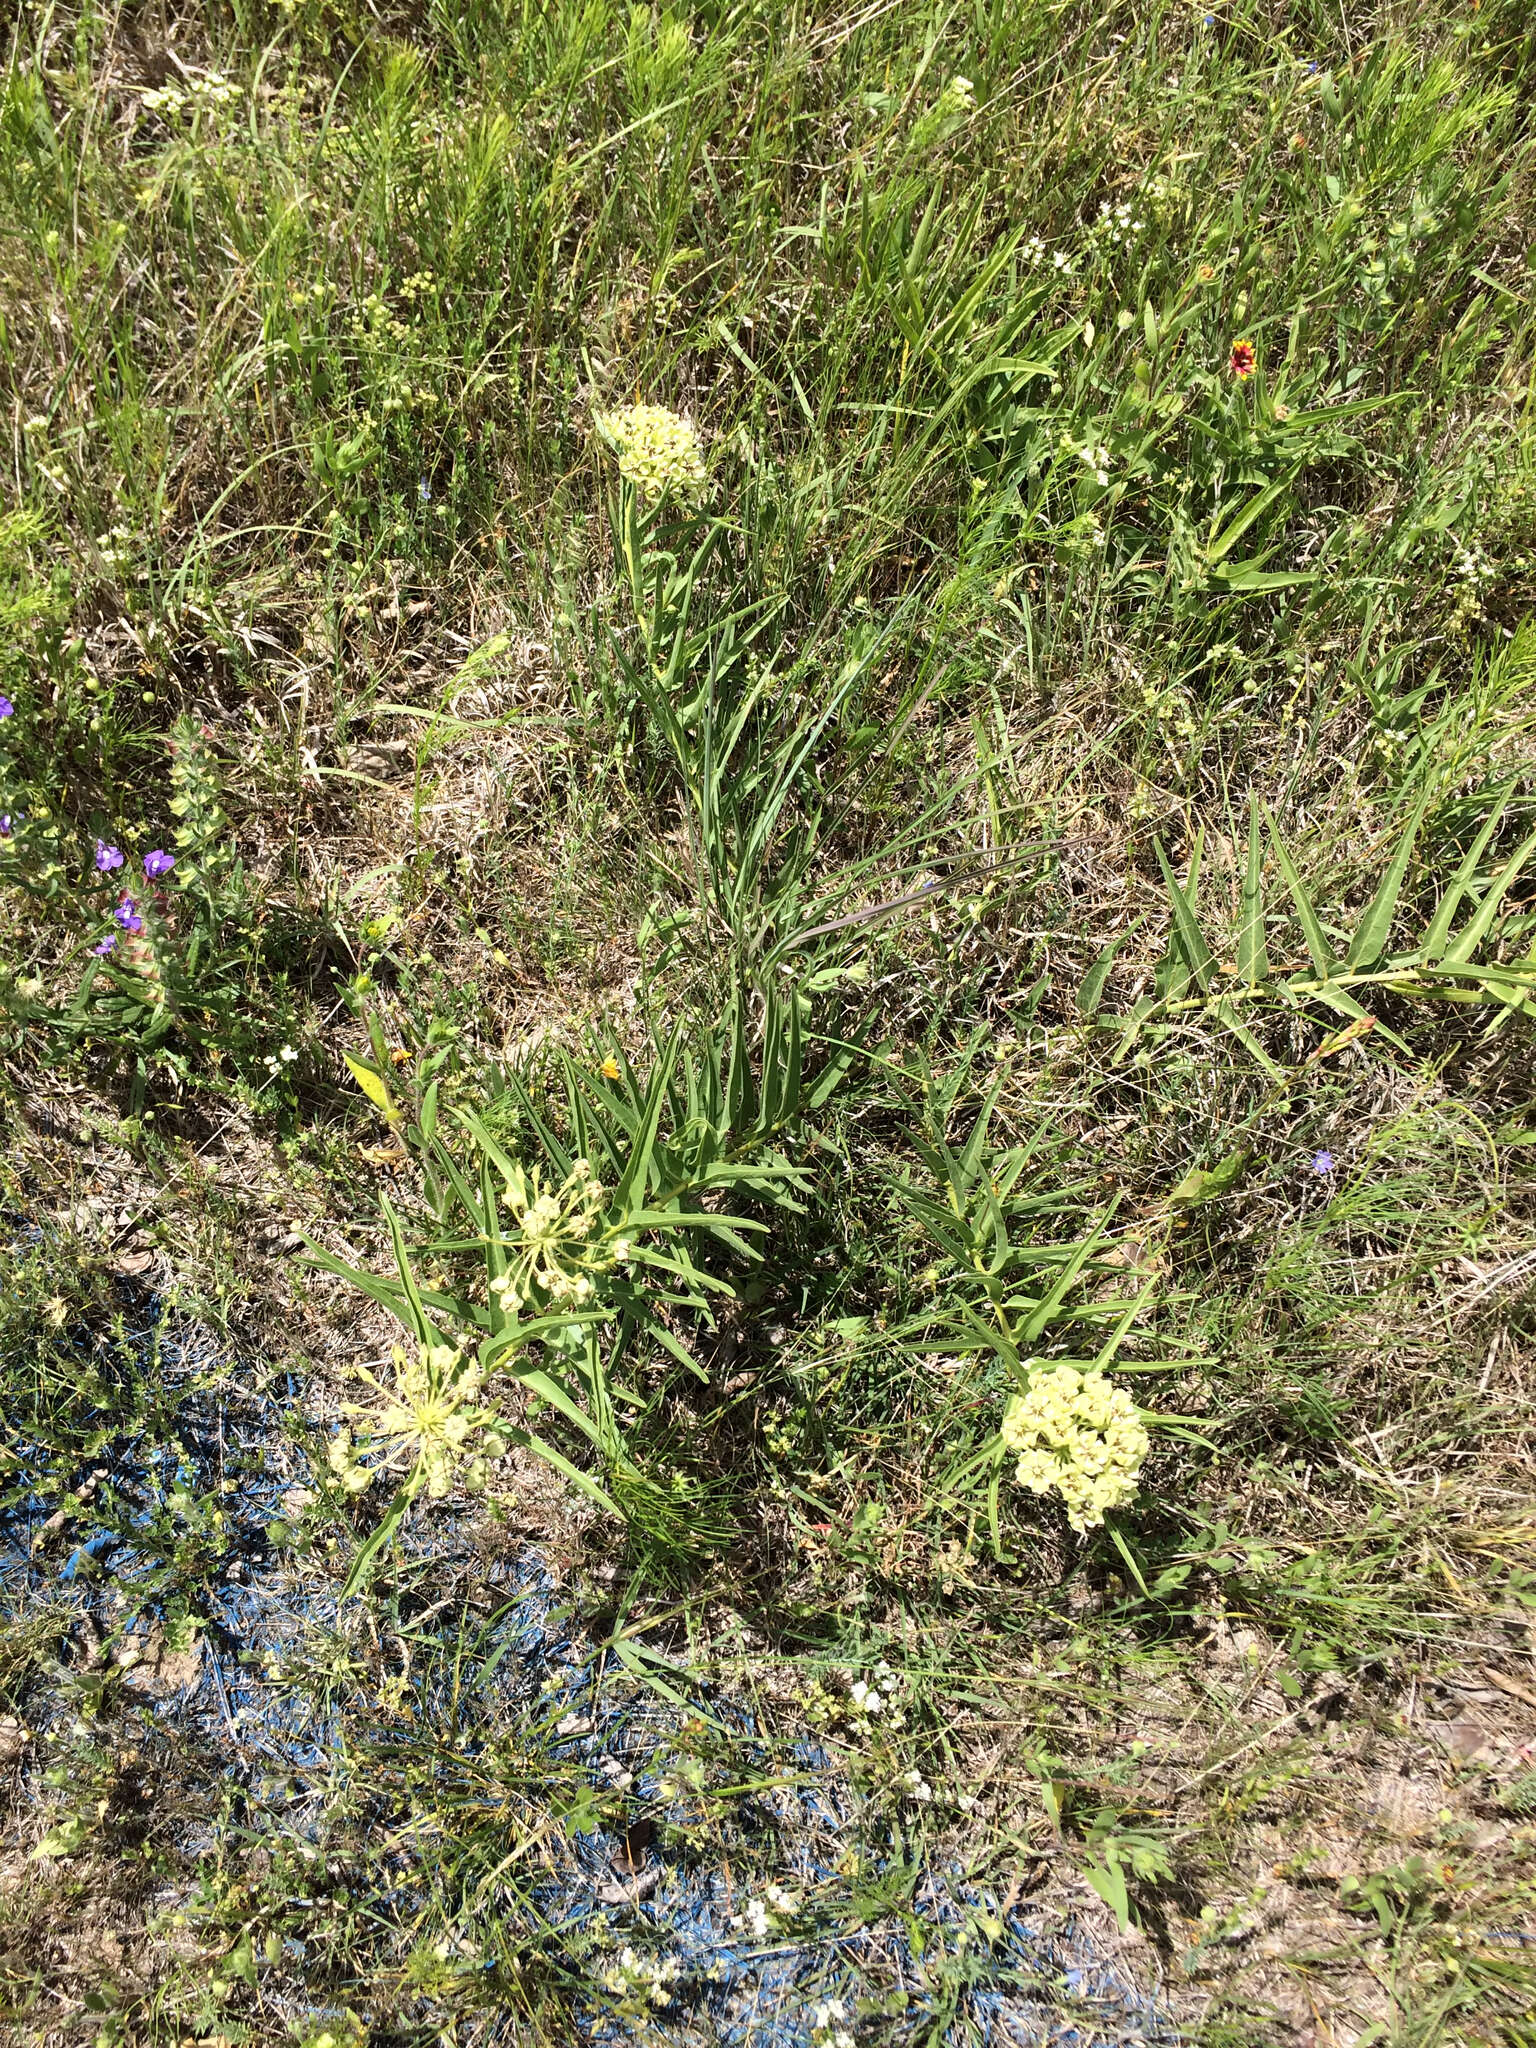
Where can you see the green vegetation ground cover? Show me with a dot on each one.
(1030, 859)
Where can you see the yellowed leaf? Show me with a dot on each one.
(373, 1086)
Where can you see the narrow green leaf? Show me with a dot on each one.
(636, 1175)
(382, 1536)
(1225, 1012)
(1468, 940)
(1312, 931)
(1438, 935)
(1375, 927)
(1092, 990)
(1197, 954)
(1131, 1565)
(1252, 953)
(1065, 1281)
(416, 1321)
(1128, 1316)
(642, 1664)
(1239, 524)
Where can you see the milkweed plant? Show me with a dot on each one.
(608, 1242)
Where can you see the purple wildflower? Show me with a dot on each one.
(5, 824)
(105, 945)
(1322, 1162)
(158, 863)
(7, 708)
(107, 857)
(127, 915)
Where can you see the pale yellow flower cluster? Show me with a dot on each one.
(1078, 1432)
(554, 1256)
(643, 1980)
(429, 1419)
(658, 450)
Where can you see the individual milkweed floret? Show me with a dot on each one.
(1080, 1434)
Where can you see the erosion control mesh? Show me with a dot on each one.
(169, 1529)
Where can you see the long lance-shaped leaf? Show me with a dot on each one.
(1225, 1012)
(972, 1152)
(1333, 997)
(380, 1539)
(1375, 927)
(793, 1062)
(635, 1177)
(1312, 931)
(496, 1261)
(382, 1288)
(836, 1071)
(1438, 936)
(1252, 953)
(774, 1026)
(494, 1355)
(1117, 1334)
(530, 1440)
(1468, 940)
(443, 1162)
(1197, 954)
(488, 1146)
(1223, 543)
(1098, 973)
(418, 1315)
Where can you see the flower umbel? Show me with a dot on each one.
(430, 1419)
(1244, 360)
(1079, 1433)
(553, 1256)
(641, 1981)
(658, 450)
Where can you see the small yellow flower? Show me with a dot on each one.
(610, 1068)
